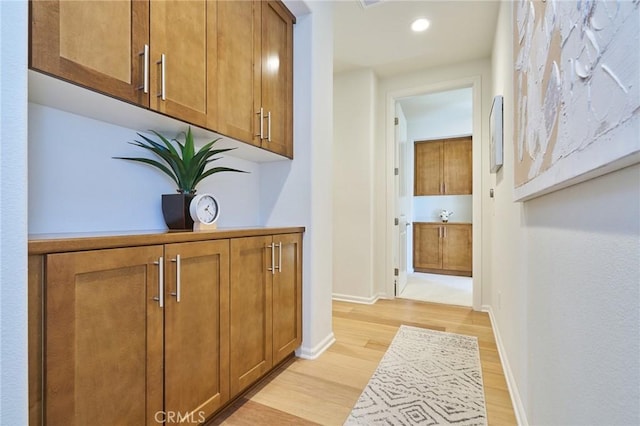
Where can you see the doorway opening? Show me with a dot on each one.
(439, 112)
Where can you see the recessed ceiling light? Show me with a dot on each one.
(420, 24)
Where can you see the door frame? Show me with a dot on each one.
(391, 234)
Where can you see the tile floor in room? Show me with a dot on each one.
(448, 289)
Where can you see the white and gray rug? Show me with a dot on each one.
(426, 377)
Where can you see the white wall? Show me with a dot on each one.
(563, 286)
(300, 192)
(353, 192)
(76, 186)
(427, 208)
(13, 220)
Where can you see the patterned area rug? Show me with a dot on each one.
(426, 377)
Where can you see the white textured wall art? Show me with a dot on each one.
(577, 91)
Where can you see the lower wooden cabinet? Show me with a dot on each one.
(103, 337)
(196, 328)
(265, 305)
(163, 332)
(442, 248)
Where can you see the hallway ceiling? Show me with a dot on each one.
(378, 36)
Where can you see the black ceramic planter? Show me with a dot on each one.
(175, 208)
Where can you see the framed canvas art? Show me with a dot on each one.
(576, 92)
(497, 132)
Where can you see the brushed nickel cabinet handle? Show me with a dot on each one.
(160, 297)
(261, 114)
(178, 285)
(272, 246)
(269, 126)
(162, 62)
(145, 67)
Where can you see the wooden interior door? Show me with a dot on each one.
(427, 246)
(103, 337)
(287, 296)
(428, 168)
(196, 328)
(239, 70)
(97, 44)
(183, 58)
(456, 250)
(277, 77)
(457, 169)
(250, 309)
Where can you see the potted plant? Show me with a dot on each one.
(185, 166)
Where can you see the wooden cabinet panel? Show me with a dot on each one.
(287, 296)
(103, 337)
(196, 328)
(442, 248)
(185, 33)
(76, 41)
(456, 250)
(265, 305)
(457, 176)
(428, 168)
(250, 309)
(427, 248)
(255, 73)
(239, 71)
(35, 337)
(443, 167)
(277, 77)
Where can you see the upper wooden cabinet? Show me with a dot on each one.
(226, 66)
(97, 44)
(443, 167)
(182, 59)
(255, 74)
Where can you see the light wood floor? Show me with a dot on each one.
(323, 391)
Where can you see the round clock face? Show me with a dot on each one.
(204, 208)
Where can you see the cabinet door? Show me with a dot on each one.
(239, 70)
(103, 337)
(277, 77)
(76, 41)
(456, 250)
(250, 309)
(457, 169)
(196, 328)
(182, 59)
(428, 168)
(427, 246)
(287, 296)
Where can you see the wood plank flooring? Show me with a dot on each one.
(323, 391)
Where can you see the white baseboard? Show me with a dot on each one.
(356, 299)
(313, 353)
(518, 407)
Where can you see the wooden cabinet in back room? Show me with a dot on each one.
(443, 248)
(443, 167)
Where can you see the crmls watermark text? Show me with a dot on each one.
(178, 417)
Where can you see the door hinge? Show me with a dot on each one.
(396, 171)
(396, 272)
(396, 221)
(395, 121)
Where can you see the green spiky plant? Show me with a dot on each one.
(184, 165)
